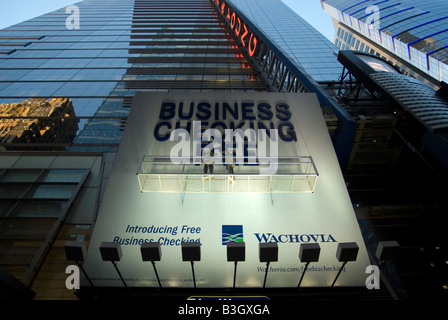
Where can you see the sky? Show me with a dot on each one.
(16, 11)
(312, 12)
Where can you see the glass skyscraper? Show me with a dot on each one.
(120, 47)
(81, 68)
(296, 37)
(410, 34)
(93, 57)
(406, 43)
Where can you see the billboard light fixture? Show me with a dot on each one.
(151, 252)
(347, 251)
(236, 251)
(308, 252)
(111, 251)
(191, 251)
(268, 252)
(77, 251)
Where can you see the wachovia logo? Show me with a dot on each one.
(294, 238)
(268, 164)
(232, 233)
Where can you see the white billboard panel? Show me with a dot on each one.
(131, 216)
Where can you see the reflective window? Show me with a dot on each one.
(33, 204)
(416, 30)
(295, 37)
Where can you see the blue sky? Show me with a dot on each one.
(312, 12)
(16, 11)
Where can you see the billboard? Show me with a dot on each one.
(187, 205)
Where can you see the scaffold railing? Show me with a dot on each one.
(284, 175)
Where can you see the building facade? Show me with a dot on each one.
(296, 37)
(410, 34)
(106, 57)
(394, 59)
(99, 55)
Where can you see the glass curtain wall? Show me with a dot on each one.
(174, 45)
(33, 206)
(53, 58)
(119, 48)
(412, 30)
(290, 33)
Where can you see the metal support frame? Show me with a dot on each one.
(278, 76)
(352, 86)
(339, 273)
(303, 273)
(266, 274)
(85, 273)
(234, 274)
(157, 275)
(192, 271)
(119, 273)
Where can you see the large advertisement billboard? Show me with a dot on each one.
(187, 205)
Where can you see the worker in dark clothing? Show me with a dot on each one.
(207, 161)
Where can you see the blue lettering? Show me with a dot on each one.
(167, 111)
(240, 125)
(157, 129)
(217, 111)
(289, 135)
(265, 113)
(219, 124)
(204, 112)
(187, 127)
(268, 131)
(294, 238)
(190, 112)
(282, 111)
(226, 108)
(263, 237)
(247, 111)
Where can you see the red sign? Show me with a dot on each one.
(245, 36)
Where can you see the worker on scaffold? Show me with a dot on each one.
(207, 162)
(230, 166)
